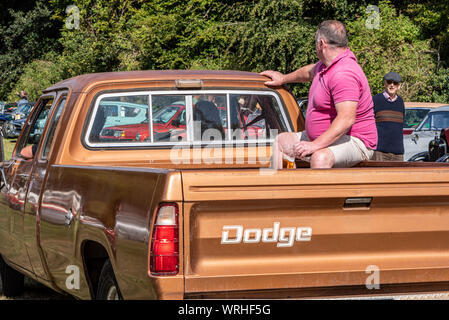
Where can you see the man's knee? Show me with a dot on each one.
(285, 142)
(323, 158)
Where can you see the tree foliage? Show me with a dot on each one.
(38, 49)
(395, 46)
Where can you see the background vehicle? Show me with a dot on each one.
(437, 150)
(415, 113)
(10, 107)
(123, 113)
(165, 119)
(13, 125)
(417, 142)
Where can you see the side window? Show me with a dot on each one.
(109, 111)
(33, 132)
(52, 128)
(131, 112)
(425, 125)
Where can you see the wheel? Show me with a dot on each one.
(444, 158)
(107, 285)
(12, 280)
(8, 129)
(422, 156)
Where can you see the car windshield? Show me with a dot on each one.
(414, 116)
(435, 121)
(165, 114)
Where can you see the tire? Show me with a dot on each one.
(8, 130)
(12, 280)
(107, 284)
(444, 158)
(422, 156)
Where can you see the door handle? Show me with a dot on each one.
(358, 203)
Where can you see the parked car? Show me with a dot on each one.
(165, 119)
(415, 113)
(417, 142)
(10, 107)
(437, 150)
(13, 123)
(123, 113)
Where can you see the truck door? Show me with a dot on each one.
(44, 127)
(18, 209)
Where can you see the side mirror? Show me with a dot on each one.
(176, 123)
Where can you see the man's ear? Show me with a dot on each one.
(323, 42)
(400, 85)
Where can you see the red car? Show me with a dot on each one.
(165, 119)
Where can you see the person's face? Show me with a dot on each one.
(392, 87)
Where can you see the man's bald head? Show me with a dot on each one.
(333, 32)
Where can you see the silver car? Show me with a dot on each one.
(436, 120)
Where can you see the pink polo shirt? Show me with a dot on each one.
(342, 80)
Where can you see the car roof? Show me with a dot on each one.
(423, 105)
(80, 83)
(443, 108)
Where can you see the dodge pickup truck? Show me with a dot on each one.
(197, 213)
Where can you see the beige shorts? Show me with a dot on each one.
(348, 150)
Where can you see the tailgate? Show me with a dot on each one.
(309, 228)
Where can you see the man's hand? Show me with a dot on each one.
(305, 148)
(277, 78)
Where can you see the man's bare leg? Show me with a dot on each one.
(322, 159)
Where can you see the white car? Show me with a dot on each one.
(436, 120)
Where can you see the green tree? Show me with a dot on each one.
(395, 46)
(36, 76)
(26, 36)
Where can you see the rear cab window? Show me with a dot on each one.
(167, 118)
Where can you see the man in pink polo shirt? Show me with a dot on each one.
(340, 125)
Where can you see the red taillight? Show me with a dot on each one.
(164, 255)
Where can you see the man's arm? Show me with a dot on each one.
(304, 74)
(346, 111)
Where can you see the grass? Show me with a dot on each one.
(8, 147)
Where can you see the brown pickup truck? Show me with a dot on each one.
(156, 185)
